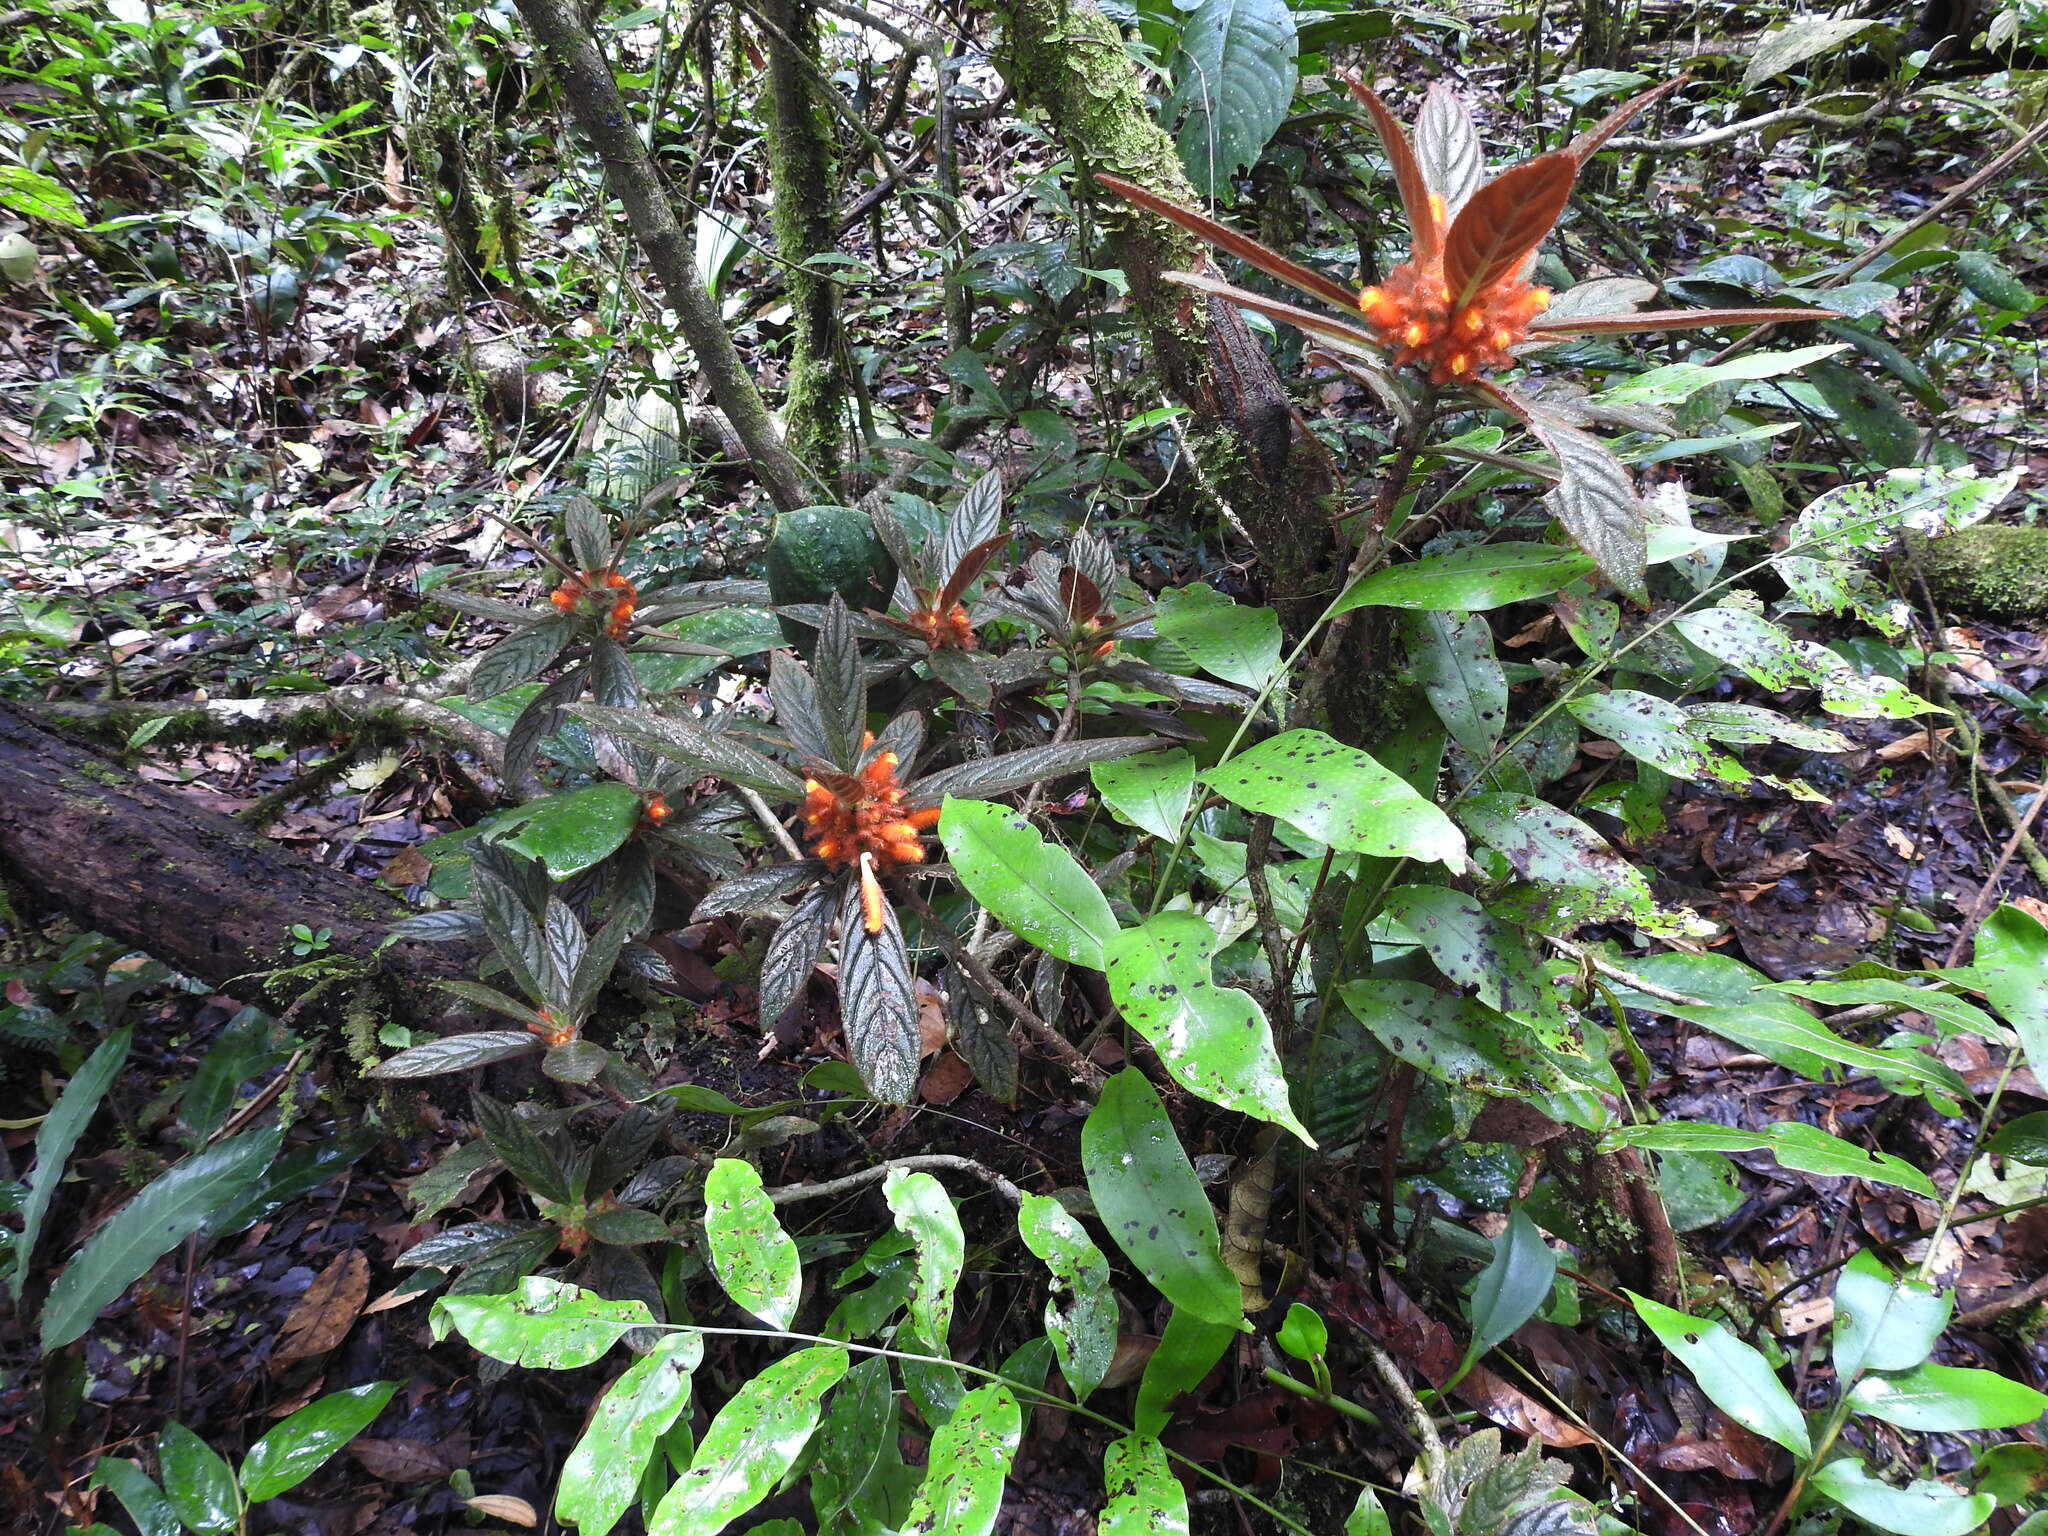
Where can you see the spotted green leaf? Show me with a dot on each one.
(924, 1213)
(603, 1472)
(1034, 887)
(962, 1491)
(1083, 1331)
(546, 1323)
(1149, 792)
(751, 1445)
(1145, 1498)
(1214, 1040)
(1738, 1379)
(1339, 796)
(754, 1259)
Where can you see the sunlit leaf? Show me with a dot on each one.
(754, 1259)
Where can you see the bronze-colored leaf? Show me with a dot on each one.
(1670, 320)
(1243, 247)
(970, 565)
(1334, 333)
(1504, 222)
(1424, 218)
(328, 1310)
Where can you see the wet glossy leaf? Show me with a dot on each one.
(457, 1053)
(962, 1491)
(1657, 731)
(297, 1447)
(1545, 844)
(548, 1324)
(860, 1468)
(1214, 1040)
(1884, 1322)
(755, 1439)
(1083, 1330)
(1150, 792)
(1368, 1516)
(55, 1139)
(1453, 658)
(1738, 1379)
(1484, 576)
(1145, 1498)
(1515, 1284)
(2024, 1140)
(174, 1206)
(1793, 1143)
(197, 1482)
(1921, 1508)
(1151, 1202)
(924, 1213)
(1339, 796)
(1945, 1399)
(1303, 1333)
(1033, 886)
(754, 1259)
(603, 1471)
(139, 1495)
(1240, 645)
(1187, 1351)
(2011, 968)
(878, 1001)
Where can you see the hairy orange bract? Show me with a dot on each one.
(1411, 315)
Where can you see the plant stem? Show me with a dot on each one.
(1343, 1405)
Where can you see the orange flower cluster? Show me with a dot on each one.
(855, 814)
(952, 627)
(1411, 315)
(555, 1031)
(655, 811)
(617, 596)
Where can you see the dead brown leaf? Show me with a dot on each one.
(328, 1310)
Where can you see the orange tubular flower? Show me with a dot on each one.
(862, 816)
(617, 598)
(945, 627)
(1462, 303)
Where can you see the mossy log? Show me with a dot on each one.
(197, 889)
(1993, 572)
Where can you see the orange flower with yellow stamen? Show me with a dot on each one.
(862, 816)
(617, 598)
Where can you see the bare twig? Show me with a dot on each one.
(789, 1194)
(764, 814)
(1812, 116)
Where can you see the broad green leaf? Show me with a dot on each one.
(457, 1053)
(751, 1445)
(1239, 645)
(1145, 1498)
(1792, 1142)
(1453, 1039)
(1944, 1399)
(1033, 887)
(603, 1472)
(1453, 658)
(1738, 1379)
(570, 832)
(1884, 1322)
(1083, 1332)
(297, 1447)
(1543, 843)
(36, 196)
(1368, 1516)
(1340, 797)
(1187, 1351)
(924, 1213)
(1778, 660)
(962, 1491)
(198, 1482)
(1475, 949)
(1303, 1333)
(1921, 1508)
(548, 1324)
(1233, 83)
(1214, 1040)
(2024, 1140)
(1151, 1202)
(2011, 966)
(1515, 1284)
(1470, 580)
(56, 1137)
(1150, 792)
(1944, 1007)
(754, 1259)
(174, 1206)
(139, 1495)
(859, 1468)
(1793, 44)
(1675, 382)
(1659, 732)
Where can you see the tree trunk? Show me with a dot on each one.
(801, 172)
(199, 890)
(1065, 58)
(630, 172)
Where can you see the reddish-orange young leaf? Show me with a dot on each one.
(1669, 320)
(1504, 222)
(1224, 238)
(1335, 333)
(971, 565)
(1586, 143)
(1424, 218)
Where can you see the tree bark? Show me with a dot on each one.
(802, 173)
(197, 889)
(1065, 59)
(600, 111)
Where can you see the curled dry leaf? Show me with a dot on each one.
(328, 1310)
(504, 1506)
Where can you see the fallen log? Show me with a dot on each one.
(199, 890)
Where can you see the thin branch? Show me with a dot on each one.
(1808, 115)
(789, 1194)
(767, 817)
